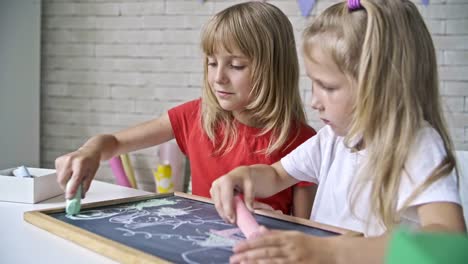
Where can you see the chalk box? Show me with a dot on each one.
(29, 190)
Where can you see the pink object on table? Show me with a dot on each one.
(245, 220)
(119, 172)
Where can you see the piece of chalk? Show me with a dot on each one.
(7, 172)
(245, 220)
(73, 205)
(22, 172)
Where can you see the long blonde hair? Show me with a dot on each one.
(387, 49)
(264, 35)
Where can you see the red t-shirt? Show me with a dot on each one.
(207, 167)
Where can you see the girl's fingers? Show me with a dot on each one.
(63, 177)
(216, 195)
(76, 178)
(214, 192)
(248, 193)
(268, 247)
(256, 254)
(263, 230)
(227, 198)
(272, 261)
(77, 168)
(222, 192)
(266, 240)
(63, 171)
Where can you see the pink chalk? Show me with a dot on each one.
(245, 220)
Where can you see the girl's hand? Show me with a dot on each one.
(79, 166)
(223, 189)
(283, 247)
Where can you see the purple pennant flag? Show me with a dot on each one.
(306, 6)
(425, 2)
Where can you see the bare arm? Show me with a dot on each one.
(82, 164)
(303, 200)
(435, 217)
(272, 179)
(297, 247)
(141, 136)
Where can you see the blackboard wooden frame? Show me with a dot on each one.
(126, 254)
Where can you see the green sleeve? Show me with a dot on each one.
(428, 248)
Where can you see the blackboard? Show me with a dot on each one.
(176, 228)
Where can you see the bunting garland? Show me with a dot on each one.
(306, 6)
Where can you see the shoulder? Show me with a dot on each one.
(325, 135)
(187, 108)
(326, 132)
(194, 104)
(184, 115)
(426, 153)
(428, 142)
(428, 134)
(323, 140)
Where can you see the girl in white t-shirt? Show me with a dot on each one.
(384, 157)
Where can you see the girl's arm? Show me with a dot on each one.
(147, 134)
(434, 217)
(269, 179)
(303, 200)
(297, 247)
(82, 164)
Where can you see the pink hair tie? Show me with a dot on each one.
(354, 5)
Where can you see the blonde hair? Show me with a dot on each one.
(265, 36)
(387, 49)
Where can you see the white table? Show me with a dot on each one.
(21, 242)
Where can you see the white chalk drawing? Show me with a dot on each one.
(154, 202)
(97, 214)
(133, 221)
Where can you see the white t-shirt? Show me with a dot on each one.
(325, 160)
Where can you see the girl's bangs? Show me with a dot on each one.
(218, 37)
(328, 43)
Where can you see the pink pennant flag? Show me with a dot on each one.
(306, 6)
(119, 172)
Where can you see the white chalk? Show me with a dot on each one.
(22, 172)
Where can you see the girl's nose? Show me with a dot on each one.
(220, 75)
(315, 102)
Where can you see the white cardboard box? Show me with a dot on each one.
(30, 190)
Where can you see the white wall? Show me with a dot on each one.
(108, 64)
(20, 34)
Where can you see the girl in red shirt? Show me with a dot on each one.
(250, 111)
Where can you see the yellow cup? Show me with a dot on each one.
(163, 179)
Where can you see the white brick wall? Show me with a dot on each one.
(108, 64)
